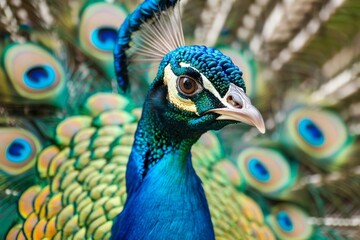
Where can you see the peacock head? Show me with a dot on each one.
(197, 88)
(200, 88)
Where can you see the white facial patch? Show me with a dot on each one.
(182, 103)
(207, 84)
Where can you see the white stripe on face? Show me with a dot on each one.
(170, 79)
(207, 84)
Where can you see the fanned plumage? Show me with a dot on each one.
(63, 165)
(82, 178)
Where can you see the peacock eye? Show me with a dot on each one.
(187, 85)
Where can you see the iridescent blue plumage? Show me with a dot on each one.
(194, 86)
(165, 196)
(170, 203)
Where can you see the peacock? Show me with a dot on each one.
(93, 151)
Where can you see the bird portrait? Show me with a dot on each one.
(176, 119)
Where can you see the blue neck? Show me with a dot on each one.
(165, 197)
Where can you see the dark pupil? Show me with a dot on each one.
(261, 169)
(188, 84)
(35, 74)
(314, 130)
(15, 149)
(284, 221)
(107, 34)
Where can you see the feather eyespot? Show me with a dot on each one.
(39, 77)
(33, 72)
(318, 133)
(267, 170)
(311, 132)
(188, 86)
(18, 150)
(284, 221)
(290, 222)
(98, 27)
(104, 38)
(259, 170)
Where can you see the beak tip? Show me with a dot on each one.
(259, 123)
(261, 128)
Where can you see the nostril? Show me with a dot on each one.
(234, 102)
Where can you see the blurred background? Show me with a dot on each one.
(300, 62)
(295, 51)
(295, 55)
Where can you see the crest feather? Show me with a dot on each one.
(158, 37)
(146, 36)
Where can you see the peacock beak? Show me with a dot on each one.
(239, 108)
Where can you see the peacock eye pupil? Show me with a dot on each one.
(104, 38)
(40, 77)
(310, 132)
(187, 86)
(19, 150)
(15, 149)
(107, 34)
(284, 221)
(35, 74)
